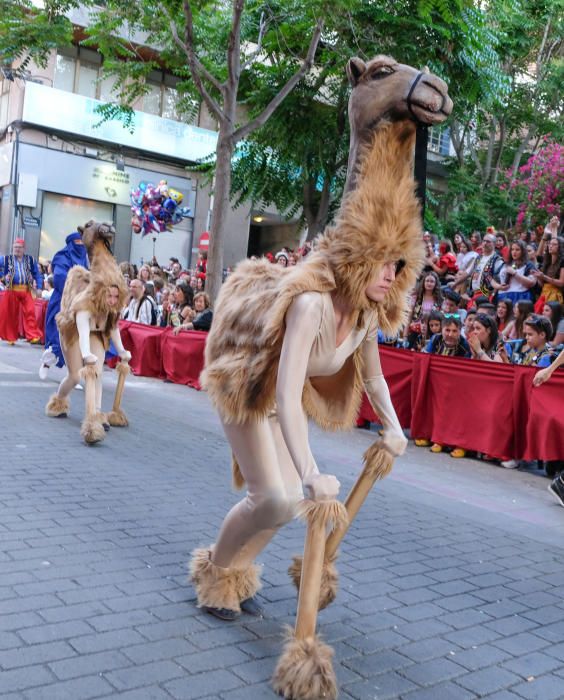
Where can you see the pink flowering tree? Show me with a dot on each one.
(537, 188)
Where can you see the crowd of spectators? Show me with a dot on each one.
(168, 296)
(491, 298)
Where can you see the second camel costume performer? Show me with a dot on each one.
(88, 320)
(288, 343)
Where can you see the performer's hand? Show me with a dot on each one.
(542, 376)
(125, 356)
(322, 487)
(395, 442)
(90, 359)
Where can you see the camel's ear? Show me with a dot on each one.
(355, 68)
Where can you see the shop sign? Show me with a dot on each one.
(75, 114)
(110, 184)
(31, 222)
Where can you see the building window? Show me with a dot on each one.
(4, 101)
(80, 70)
(439, 140)
(164, 100)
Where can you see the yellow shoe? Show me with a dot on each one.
(458, 452)
(422, 443)
(436, 447)
(35, 341)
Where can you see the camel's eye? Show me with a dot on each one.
(381, 72)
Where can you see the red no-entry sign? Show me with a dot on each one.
(204, 241)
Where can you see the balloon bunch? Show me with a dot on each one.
(156, 208)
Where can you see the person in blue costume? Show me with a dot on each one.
(74, 253)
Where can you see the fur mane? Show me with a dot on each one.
(85, 290)
(379, 221)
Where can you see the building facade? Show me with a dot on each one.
(60, 166)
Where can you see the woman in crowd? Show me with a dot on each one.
(427, 298)
(501, 247)
(483, 338)
(476, 242)
(514, 328)
(465, 261)
(553, 311)
(445, 265)
(48, 288)
(504, 314)
(282, 258)
(180, 310)
(200, 318)
(551, 276)
(144, 274)
(516, 278)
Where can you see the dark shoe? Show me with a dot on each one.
(222, 613)
(251, 607)
(106, 427)
(556, 487)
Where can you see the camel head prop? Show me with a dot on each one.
(386, 89)
(94, 231)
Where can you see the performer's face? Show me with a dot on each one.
(18, 250)
(112, 297)
(381, 282)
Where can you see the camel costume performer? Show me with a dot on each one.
(90, 307)
(287, 343)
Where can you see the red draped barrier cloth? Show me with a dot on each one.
(144, 344)
(40, 309)
(482, 406)
(464, 405)
(183, 357)
(544, 432)
(397, 366)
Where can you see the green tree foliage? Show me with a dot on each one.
(499, 134)
(297, 162)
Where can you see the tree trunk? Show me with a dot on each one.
(219, 213)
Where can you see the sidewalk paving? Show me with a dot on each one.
(450, 578)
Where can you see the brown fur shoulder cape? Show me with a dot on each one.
(244, 345)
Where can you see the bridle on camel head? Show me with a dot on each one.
(410, 94)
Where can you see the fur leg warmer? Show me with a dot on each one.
(305, 671)
(57, 407)
(92, 431)
(329, 579)
(118, 419)
(217, 587)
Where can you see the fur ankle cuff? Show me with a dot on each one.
(217, 587)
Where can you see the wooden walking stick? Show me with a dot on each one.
(116, 416)
(91, 429)
(304, 671)
(377, 464)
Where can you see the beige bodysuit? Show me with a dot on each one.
(90, 350)
(274, 454)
